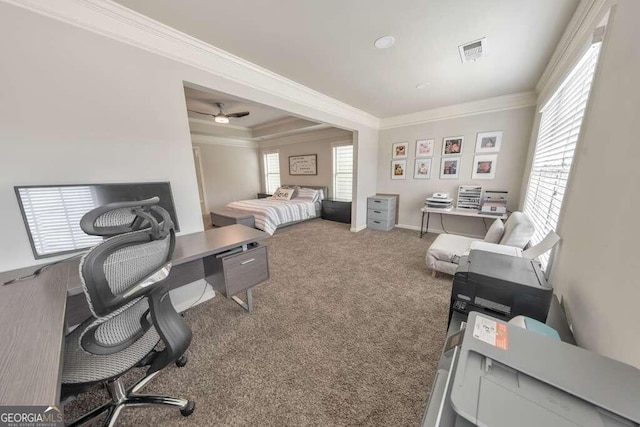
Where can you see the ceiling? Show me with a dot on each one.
(204, 102)
(328, 45)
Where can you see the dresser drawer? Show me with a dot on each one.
(380, 215)
(380, 225)
(244, 270)
(381, 203)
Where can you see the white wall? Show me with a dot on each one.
(77, 107)
(597, 262)
(230, 173)
(516, 125)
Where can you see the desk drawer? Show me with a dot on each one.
(381, 203)
(381, 215)
(244, 270)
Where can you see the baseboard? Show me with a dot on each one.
(190, 295)
(356, 229)
(408, 227)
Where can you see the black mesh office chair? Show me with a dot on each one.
(122, 279)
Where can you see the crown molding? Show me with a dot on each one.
(489, 105)
(278, 122)
(325, 135)
(211, 122)
(585, 19)
(197, 138)
(117, 22)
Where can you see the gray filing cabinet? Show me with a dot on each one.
(381, 212)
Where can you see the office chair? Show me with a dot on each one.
(122, 279)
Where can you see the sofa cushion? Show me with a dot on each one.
(495, 232)
(517, 230)
(448, 246)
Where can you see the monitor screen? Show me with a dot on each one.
(52, 213)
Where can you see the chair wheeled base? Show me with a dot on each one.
(121, 398)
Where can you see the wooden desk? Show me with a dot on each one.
(457, 212)
(32, 313)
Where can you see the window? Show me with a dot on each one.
(53, 216)
(560, 125)
(342, 172)
(271, 171)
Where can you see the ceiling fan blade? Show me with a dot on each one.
(241, 114)
(200, 112)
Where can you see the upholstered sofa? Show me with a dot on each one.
(445, 251)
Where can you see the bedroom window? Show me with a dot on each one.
(560, 125)
(271, 171)
(342, 172)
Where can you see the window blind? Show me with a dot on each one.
(558, 134)
(343, 172)
(272, 172)
(53, 217)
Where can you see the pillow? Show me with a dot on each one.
(308, 194)
(495, 232)
(283, 193)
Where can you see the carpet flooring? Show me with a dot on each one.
(347, 331)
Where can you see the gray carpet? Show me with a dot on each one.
(347, 331)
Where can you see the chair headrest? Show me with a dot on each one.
(116, 218)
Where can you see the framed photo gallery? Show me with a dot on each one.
(487, 147)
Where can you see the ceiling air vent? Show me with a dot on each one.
(473, 51)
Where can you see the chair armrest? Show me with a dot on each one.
(173, 330)
(141, 288)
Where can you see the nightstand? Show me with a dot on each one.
(336, 210)
(263, 195)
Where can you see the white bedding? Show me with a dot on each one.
(270, 213)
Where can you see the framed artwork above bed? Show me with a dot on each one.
(306, 164)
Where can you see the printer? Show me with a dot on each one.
(500, 375)
(500, 285)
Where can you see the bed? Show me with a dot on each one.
(271, 214)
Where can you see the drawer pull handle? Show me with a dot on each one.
(378, 201)
(377, 222)
(248, 261)
(377, 212)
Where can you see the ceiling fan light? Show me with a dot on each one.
(221, 119)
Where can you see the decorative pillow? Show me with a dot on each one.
(495, 232)
(283, 193)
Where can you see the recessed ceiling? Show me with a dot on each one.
(328, 45)
(205, 102)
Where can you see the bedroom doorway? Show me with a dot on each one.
(197, 159)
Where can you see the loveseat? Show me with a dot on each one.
(445, 251)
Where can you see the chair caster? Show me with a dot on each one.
(182, 361)
(188, 410)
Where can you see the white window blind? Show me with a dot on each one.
(271, 172)
(343, 172)
(53, 216)
(560, 125)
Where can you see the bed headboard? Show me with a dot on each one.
(325, 189)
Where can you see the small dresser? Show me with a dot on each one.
(336, 210)
(381, 212)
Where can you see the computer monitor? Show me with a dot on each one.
(52, 213)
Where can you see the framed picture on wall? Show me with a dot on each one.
(303, 165)
(422, 169)
(450, 168)
(452, 145)
(424, 147)
(400, 150)
(398, 169)
(484, 166)
(488, 142)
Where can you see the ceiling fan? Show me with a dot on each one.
(222, 117)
